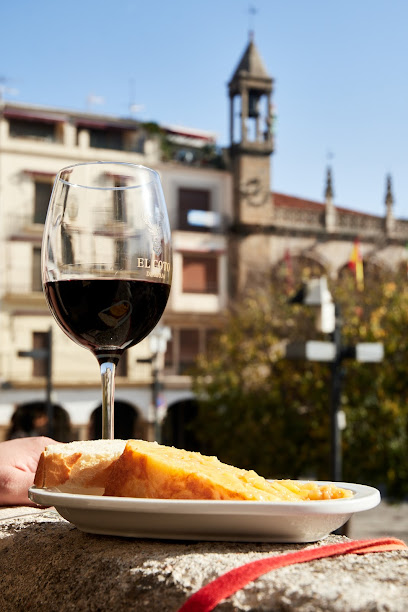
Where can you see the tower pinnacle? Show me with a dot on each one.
(389, 198)
(330, 213)
(389, 204)
(328, 193)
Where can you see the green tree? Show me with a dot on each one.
(375, 396)
(259, 410)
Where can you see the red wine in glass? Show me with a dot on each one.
(107, 316)
(107, 261)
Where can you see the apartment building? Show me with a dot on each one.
(34, 144)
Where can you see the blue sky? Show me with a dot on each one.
(340, 71)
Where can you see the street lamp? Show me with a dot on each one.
(328, 320)
(158, 340)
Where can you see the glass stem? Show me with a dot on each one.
(108, 394)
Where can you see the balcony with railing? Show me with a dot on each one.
(288, 217)
(360, 224)
(302, 215)
(400, 229)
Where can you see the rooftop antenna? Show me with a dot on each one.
(133, 107)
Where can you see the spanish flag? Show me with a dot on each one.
(288, 272)
(356, 263)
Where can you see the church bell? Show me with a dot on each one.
(253, 104)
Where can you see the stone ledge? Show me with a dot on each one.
(47, 564)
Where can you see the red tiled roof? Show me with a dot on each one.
(287, 201)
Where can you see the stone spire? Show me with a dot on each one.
(330, 212)
(389, 203)
(251, 65)
(252, 87)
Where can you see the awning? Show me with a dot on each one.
(185, 132)
(40, 173)
(32, 115)
(101, 124)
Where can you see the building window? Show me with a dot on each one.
(184, 347)
(67, 249)
(40, 342)
(42, 195)
(36, 283)
(169, 356)
(119, 202)
(200, 274)
(106, 139)
(38, 130)
(192, 199)
(189, 341)
(120, 254)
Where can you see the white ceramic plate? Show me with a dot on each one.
(240, 521)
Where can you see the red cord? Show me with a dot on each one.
(227, 584)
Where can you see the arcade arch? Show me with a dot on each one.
(177, 427)
(128, 422)
(31, 419)
(292, 270)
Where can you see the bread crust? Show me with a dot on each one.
(39, 477)
(83, 466)
(54, 471)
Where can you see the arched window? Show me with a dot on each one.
(128, 422)
(31, 419)
(293, 270)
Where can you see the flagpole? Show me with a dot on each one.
(335, 399)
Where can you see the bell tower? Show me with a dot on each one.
(251, 139)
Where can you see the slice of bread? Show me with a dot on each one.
(150, 470)
(78, 467)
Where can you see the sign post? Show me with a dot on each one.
(158, 340)
(316, 293)
(45, 353)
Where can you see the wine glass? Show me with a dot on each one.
(107, 261)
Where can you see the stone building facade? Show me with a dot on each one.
(267, 225)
